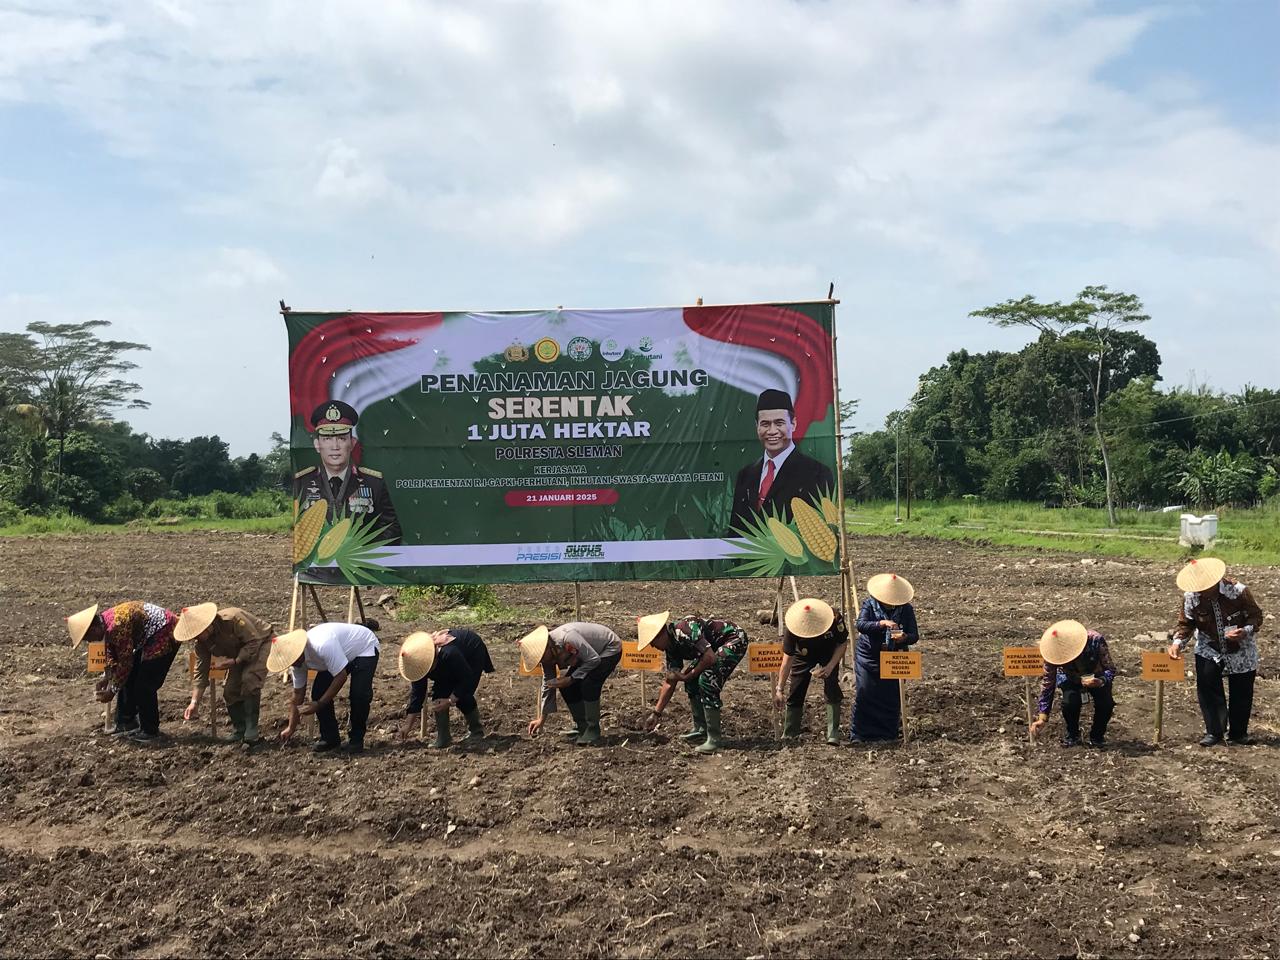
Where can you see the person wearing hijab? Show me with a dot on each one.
(1078, 663)
(887, 621)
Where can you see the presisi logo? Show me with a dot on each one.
(523, 557)
(584, 551)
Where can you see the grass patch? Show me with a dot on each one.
(460, 605)
(65, 524)
(1244, 535)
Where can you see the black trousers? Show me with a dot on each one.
(1104, 704)
(140, 695)
(360, 673)
(590, 686)
(802, 668)
(1223, 717)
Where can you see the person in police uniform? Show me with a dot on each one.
(350, 490)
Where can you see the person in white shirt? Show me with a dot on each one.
(338, 652)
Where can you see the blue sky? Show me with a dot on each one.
(176, 168)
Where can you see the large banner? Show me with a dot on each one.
(657, 444)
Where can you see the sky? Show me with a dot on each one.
(177, 168)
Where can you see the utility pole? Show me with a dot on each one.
(897, 486)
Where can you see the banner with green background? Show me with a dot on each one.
(563, 444)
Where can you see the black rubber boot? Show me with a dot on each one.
(443, 737)
(577, 710)
(591, 735)
(475, 729)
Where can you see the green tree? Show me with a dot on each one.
(205, 467)
(70, 376)
(1091, 333)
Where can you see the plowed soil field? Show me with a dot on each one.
(967, 841)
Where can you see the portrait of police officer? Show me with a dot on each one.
(349, 489)
(782, 472)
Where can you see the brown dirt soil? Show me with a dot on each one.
(965, 842)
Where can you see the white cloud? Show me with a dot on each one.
(237, 267)
(932, 156)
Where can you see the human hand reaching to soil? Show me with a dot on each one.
(286, 733)
(412, 723)
(651, 723)
(778, 699)
(192, 707)
(534, 726)
(1175, 651)
(1039, 724)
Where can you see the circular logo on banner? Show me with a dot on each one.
(579, 349)
(546, 350)
(611, 350)
(646, 344)
(517, 353)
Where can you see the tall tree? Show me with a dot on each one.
(1092, 333)
(71, 376)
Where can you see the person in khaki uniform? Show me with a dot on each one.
(234, 640)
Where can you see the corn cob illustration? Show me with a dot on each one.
(787, 540)
(332, 541)
(829, 512)
(813, 528)
(306, 531)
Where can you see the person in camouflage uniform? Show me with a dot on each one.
(716, 646)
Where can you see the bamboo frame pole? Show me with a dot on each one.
(848, 592)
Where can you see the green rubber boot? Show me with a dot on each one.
(791, 722)
(833, 724)
(699, 731)
(252, 708)
(443, 739)
(713, 742)
(591, 735)
(475, 729)
(236, 712)
(577, 710)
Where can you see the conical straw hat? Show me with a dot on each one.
(194, 620)
(417, 656)
(1201, 574)
(78, 624)
(891, 589)
(285, 649)
(533, 647)
(1063, 642)
(809, 617)
(647, 628)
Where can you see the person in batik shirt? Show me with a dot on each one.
(1222, 616)
(715, 645)
(1078, 662)
(139, 648)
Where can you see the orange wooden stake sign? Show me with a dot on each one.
(650, 658)
(1024, 662)
(901, 665)
(1159, 666)
(764, 657)
(97, 657)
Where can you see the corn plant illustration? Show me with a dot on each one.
(772, 545)
(350, 543)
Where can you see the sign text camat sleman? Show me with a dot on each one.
(656, 444)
